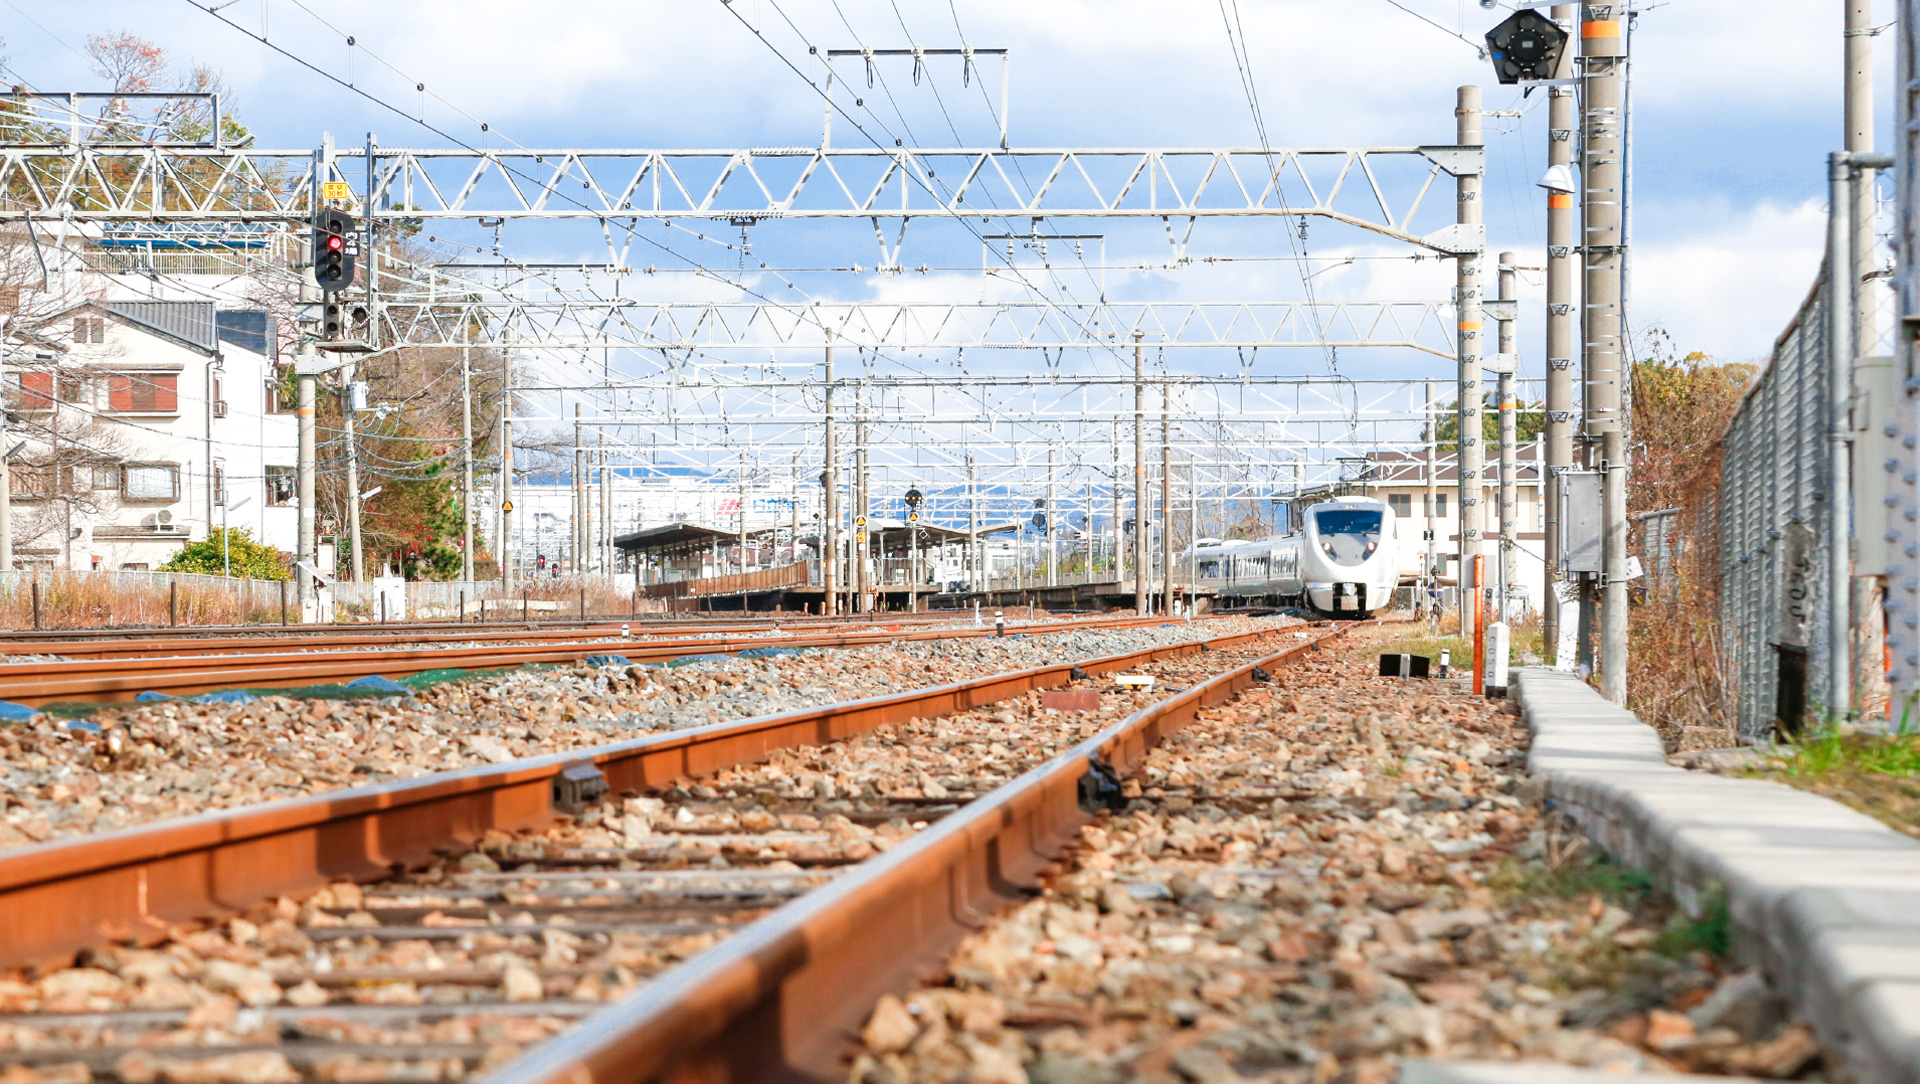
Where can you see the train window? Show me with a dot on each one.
(1347, 521)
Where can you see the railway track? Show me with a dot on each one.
(466, 955)
(122, 677)
(102, 643)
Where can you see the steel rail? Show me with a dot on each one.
(134, 884)
(97, 648)
(15, 640)
(780, 999)
(118, 680)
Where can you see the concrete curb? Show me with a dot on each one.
(1530, 1072)
(1827, 900)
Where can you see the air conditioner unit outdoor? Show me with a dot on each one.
(163, 518)
(219, 408)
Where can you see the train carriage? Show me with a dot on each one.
(1344, 562)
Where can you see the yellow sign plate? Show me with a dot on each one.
(336, 190)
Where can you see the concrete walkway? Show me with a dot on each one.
(1827, 900)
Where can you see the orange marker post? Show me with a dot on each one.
(1479, 628)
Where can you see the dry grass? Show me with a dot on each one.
(79, 600)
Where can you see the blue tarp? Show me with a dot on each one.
(376, 683)
(608, 660)
(18, 713)
(768, 652)
(687, 659)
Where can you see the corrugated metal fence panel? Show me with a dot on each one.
(1775, 474)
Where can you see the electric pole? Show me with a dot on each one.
(580, 532)
(1166, 498)
(348, 403)
(1432, 437)
(466, 462)
(1139, 476)
(1509, 508)
(829, 508)
(1562, 326)
(1869, 585)
(862, 504)
(1468, 267)
(1602, 182)
(1048, 518)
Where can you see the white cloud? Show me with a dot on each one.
(1730, 288)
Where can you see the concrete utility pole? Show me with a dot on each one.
(1432, 438)
(829, 508)
(1562, 325)
(347, 406)
(976, 549)
(1840, 348)
(1166, 499)
(605, 523)
(1139, 475)
(1468, 268)
(1602, 181)
(1869, 584)
(1509, 497)
(466, 464)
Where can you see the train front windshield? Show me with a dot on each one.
(1348, 536)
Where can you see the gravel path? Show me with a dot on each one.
(172, 758)
(460, 966)
(1322, 878)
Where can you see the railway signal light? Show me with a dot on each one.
(335, 247)
(1526, 47)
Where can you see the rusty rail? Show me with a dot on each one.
(123, 679)
(59, 897)
(780, 999)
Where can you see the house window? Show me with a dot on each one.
(159, 482)
(143, 393)
(283, 486)
(89, 329)
(1440, 504)
(106, 476)
(282, 393)
(219, 480)
(36, 391)
(1401, 503)
(32, 481)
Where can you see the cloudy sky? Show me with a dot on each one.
(1736, 104)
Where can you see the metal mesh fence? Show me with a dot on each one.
(1774, 545)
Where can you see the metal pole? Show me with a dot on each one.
(977, 550)
(353, 474)
(1119, 533)
(1166, 499)
(1509, 496)
(466, 466)
(6, 489)
(830, 511)
(1840, 352)
(1602, 178)
(506, 491)
(1139, 476)
(604, 524)
(581, 532)
(1193, 533)
(1432, 437)
(309, 545)
(1470, 393)
(1562, 325)
(862, 504)
(1052, 512)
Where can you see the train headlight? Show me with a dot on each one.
(1371, 546)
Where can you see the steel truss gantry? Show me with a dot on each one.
(1015, 324)
(106, 183)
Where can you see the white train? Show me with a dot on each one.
(1345, 562)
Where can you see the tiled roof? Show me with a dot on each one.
(191, 322)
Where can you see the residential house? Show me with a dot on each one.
(140, 426)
